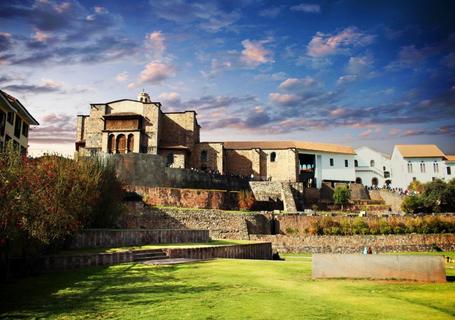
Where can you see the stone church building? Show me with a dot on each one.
(140, 126)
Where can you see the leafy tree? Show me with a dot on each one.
(341, 195)
(416, 186)
(413, 204)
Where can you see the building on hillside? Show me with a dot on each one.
(372, 168)
(295, 161)
(425, 162)
(15, 122)
(450, 167)
(139, 126)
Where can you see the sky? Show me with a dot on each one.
(374, 73)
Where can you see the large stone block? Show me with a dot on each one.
(402, 267)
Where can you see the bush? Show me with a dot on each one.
(341, 195)
(412, 204)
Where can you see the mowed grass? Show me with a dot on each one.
(220, 289)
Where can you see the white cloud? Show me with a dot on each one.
(359, 65)
(40, 36)
(271, 12)
(122, 76)
(283, 99)
(254, 53)
(293, 83)
(156, 41)
(100, 10)
(346, 79)
(156, 72)
(51, 84)
(170, 97)
(325, 44)
(307, 7)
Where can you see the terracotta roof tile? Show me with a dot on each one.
(450, 157)
(420, 151)
(302, 145)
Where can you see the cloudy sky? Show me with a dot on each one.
(349, 72)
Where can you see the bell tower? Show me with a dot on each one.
(143, 97)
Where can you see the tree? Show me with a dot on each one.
(341, 195)
(416, 186)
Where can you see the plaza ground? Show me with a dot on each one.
(222, 289)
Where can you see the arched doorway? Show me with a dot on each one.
(130, 143)
(121, 143)
(374, 182)
(111, 143)
(358, 180)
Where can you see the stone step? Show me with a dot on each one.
(288, 198)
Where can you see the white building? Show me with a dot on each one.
(450, 167)
(417, 162)
(372, 168)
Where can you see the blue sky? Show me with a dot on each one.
(349, 72)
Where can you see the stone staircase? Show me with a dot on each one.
(288, 197)
(145, 255)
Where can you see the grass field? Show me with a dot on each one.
(221, 289)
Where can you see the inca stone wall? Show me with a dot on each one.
(221, 224)
(356, 243)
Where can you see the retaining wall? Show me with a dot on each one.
(149, 170)
(259, 251)
(105, 238)
(356, 243)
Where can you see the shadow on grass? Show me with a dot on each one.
(96, 289)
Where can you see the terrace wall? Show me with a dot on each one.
(356, 243)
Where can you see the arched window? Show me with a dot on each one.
(422, 167)
(383, 168)
(371, 163)
(121, 143)
(358, 180)
(130, 142)
(409, 167)
(356, 163)
(169, 159)
(273, 157)
(435, 167)
(203, 156)
(111, 143)
(374, 182)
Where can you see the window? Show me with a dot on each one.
(331, 162)
(204, 156)
(2, 123)
(10, 117)
(25, 129)
(130, 143)
(273, 157)
(449, 171)
(111, 143)
(371, 163)
(409, 167)
(422, 167)
(436, 167)
(17, 127)
(433, 178)
(121, 143)
(169, 159)
(356, 163)
(414, 179)
(346, 163)
(383, 168)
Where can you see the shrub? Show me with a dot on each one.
(341, 195)
(412, 204)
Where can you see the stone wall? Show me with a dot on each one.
(150, 171)
(259, 251)
(109, 238)
(188, 198)
(221, 224)
(393, 199)
(356, 243)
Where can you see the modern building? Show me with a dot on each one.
(15, 122)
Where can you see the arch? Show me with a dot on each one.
(130, 142)
(356, 163)
(204, 156)
(371, 163)
(273, 157)
(121, 143)
(374, 182)
(358, 180)
(111, 143)
(169, 159)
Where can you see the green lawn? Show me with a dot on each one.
(220, 289)
(211, 243)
